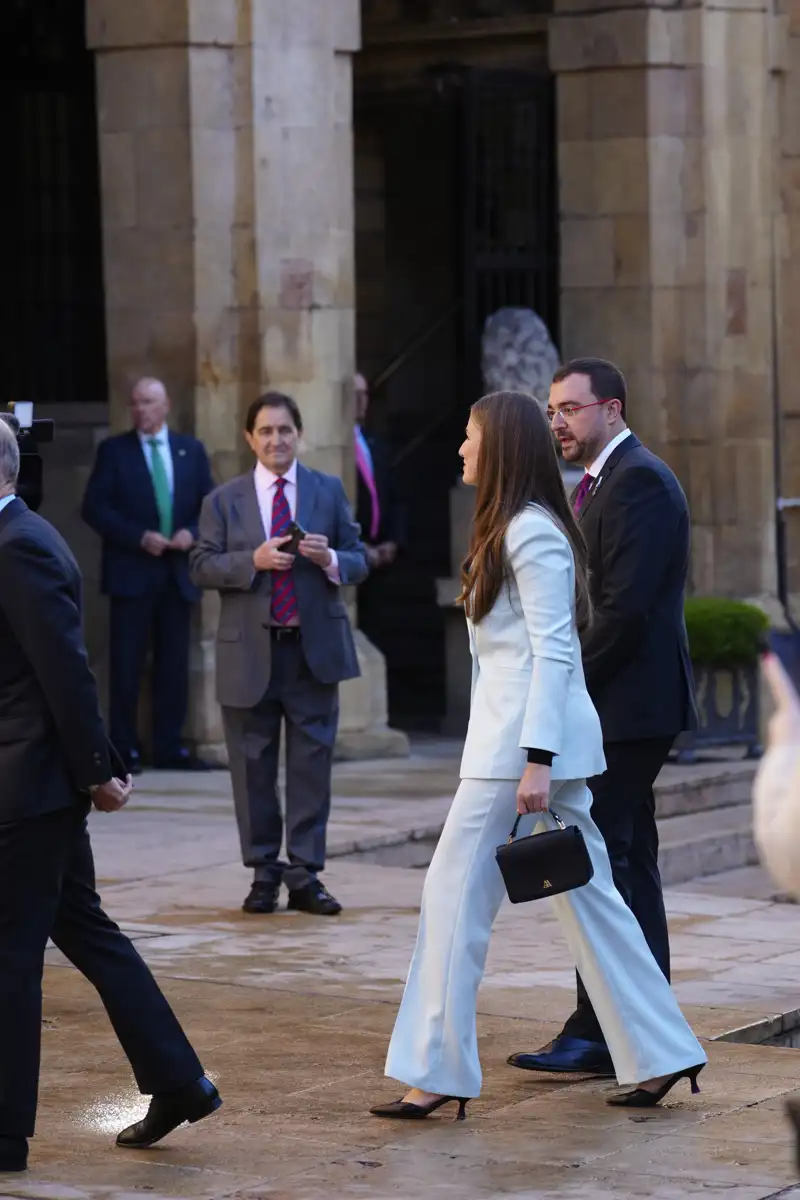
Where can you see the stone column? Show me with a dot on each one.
(226, 153)
(666, 194)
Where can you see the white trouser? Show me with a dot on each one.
(435, 1045)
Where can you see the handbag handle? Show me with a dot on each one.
(554, 815)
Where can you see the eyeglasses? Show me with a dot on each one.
(568, 411)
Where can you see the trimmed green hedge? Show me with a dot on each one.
(724, 633)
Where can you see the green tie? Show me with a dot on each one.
(161, 488)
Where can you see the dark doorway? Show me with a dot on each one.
(51, 307)
(457, 181)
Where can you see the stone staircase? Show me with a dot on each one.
(704, 819)
(704, 813)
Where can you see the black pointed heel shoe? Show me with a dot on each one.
(641, 1098)
(402, 1110)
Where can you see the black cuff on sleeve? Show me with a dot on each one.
(543, 757)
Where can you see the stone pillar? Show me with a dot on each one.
(226, 153)
(666, 193)
(787, 252)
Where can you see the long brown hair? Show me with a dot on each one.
(517, 465)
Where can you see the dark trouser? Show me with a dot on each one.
(624, 810)
(310, 710)
(165, 615)
(47, 889)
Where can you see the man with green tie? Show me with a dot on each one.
(144, 498)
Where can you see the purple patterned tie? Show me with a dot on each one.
(284, 597)
(584, 487)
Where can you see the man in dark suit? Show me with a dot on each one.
(380, 516)
(144, 498)
(635, 519)
(55, 762)
(283, 646)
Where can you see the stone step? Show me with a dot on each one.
(703, 787)
(705, 843)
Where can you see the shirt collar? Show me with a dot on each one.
(268, 479)
(6, 500)
(604, 455)
(162, 437)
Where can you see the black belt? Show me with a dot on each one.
(285, 633)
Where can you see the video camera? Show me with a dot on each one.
(30, 434)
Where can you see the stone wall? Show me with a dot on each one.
(787, 252)
(227, 169)
(665, 140)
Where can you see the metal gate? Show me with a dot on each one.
(51, 306)
(510, 220)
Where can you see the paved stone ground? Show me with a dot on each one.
(292, 1015)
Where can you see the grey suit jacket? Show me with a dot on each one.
(222, 560)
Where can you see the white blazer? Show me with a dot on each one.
(528, 689)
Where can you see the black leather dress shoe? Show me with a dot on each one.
(182, 762)
(13, 1153)
(168, 1111)
(263, 898)
(316, 899)
(567, 1055)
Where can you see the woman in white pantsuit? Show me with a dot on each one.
(533, 739)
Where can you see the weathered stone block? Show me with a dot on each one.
(574, 107)
(142, 90)
(115, 24)
(587, 253)
(164, 178)
(676, 175)
(632, 250)
(622, 179)
(678, 250)
(674, 101)
(219, 22)
(118, 180)
(619, 106)
(216, 96)
(576, 177)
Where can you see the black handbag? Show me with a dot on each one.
(544, 864)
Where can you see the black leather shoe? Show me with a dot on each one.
(168, 1111)
(314, 898)
(13, 1153)
(567, 1055)
(263, 898)
(185, 761)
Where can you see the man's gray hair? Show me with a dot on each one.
(9, 455)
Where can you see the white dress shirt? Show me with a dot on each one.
(6, 501)
(604, 455)
(163, 449)
(265, 483)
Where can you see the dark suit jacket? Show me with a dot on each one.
(636, 655)
(392, 516)
(230, 530)
(52, 741)
(120, 505)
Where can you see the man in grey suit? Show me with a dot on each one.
(278, 544)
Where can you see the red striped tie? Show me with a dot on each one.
(284, 597)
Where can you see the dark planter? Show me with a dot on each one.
(728, 711)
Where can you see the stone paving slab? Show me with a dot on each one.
(292, 1016)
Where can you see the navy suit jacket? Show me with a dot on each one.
(120, 505)
(636, 654)
(53, 744)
